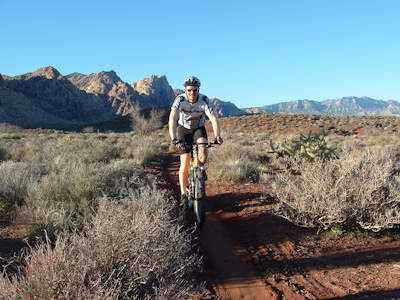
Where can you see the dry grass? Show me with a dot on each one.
(110, 232)
(235, 162)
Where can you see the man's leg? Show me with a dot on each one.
(184, 172)
(203, 151)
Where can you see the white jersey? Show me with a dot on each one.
(193, 116)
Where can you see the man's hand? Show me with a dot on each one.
(178, 143)
(218, 140)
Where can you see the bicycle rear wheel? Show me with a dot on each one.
(199, 202)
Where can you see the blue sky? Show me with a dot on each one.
(249, 52)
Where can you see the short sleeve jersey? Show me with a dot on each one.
(193, 116)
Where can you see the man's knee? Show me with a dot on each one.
(203, 155)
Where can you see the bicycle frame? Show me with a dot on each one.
(194, 164)
(196, 184)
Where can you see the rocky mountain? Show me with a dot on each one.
(178, 92)
(223, 108)
(17, 109)
(119, 97)
(2, 82)
(45, 98)
(116, 96)
(154, 91)
(226, 109)
(344, 106)
(49, 92)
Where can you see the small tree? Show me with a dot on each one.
(145, 126)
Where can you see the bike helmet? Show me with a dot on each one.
(191, 81)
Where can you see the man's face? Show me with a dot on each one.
(192, 92)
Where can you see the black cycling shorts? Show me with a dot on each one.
(190, 136)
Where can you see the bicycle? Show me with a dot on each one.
(196, 188)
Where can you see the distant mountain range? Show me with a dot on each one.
(363, 106)
(47, 99)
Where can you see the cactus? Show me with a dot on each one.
(308, 147)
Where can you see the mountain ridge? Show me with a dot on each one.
(351, 105)
(46, 98)
(77, 99)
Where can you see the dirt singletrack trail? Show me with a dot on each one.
(232, 277)
(251, 254)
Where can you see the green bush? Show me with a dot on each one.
(306, 147)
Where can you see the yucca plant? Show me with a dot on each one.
(305, 148)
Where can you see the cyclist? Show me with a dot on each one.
(188, 115)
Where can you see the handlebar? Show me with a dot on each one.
(208, 145)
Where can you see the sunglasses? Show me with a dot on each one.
(192, 90)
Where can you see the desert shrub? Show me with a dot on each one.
(61, 198)
(130, 249)
(144, 150)
(234, 162)
(351, 192)
(145, 251)
(15, 177)
(90, 149)
(65, 197)
(50, 272)
(12, 149)
(9, 128)
(69, 171)
(146, 126)
(88, 129)
(3, 154)
(118, 175)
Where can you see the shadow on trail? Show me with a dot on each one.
(233, 202)
(385, 254)
(372, 295)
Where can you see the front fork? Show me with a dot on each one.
(192, 174)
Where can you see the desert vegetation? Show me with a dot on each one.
(322, 172)
(99, 228)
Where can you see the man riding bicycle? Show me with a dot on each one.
(188, 114)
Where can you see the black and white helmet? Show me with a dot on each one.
(191, 81)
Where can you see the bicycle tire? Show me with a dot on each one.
(189, 190)
(199, 201)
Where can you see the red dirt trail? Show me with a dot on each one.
(232, 276)
(251, 254)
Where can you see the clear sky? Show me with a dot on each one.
(249, 52)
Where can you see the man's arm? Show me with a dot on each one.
(172, 122)
(216, 127)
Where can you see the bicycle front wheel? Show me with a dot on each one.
(199, 202)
